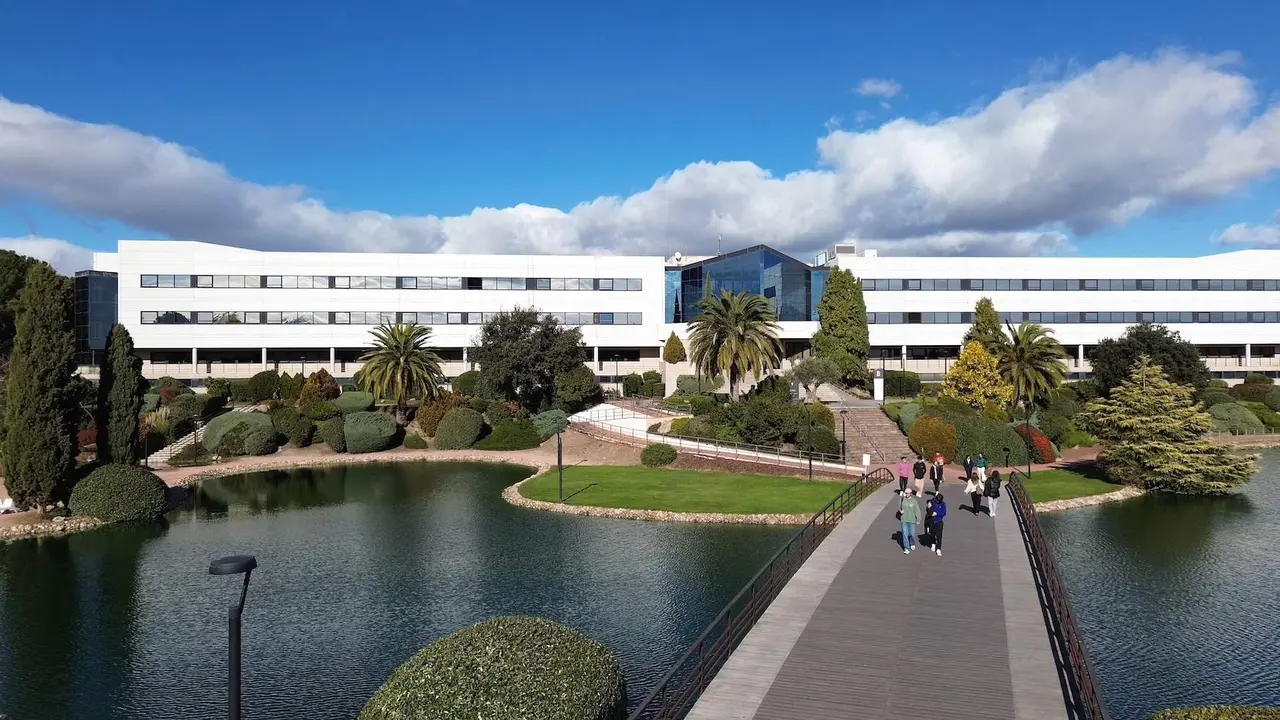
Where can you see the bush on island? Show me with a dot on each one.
(507, 667)
(119, 493)
(221, 425)
(415, 442)
(430, 415)
(353, 402)
(333, 434)
(192, 455)
(511, 435)
(466, 383)
(1257, 379)
(368, 432)
(459, 429)
(658, 455)
(302, 433)
(1255, 392)
(1272, 399)
(1219, 712)
(499, 411)
(260, 441)
(262, 386)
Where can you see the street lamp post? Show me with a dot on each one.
(809, 439)
(560, 463)
(844, 437)
(234, 565)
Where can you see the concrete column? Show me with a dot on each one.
(464, 358)
(1079, 355)
(333, 360)
(904, 357)
(264, 358)
(194, 362)
(1248, 354)
(595, 356)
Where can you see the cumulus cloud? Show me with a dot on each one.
(878, 87)
(1078, 153)
(1253, 235)
(63, 256)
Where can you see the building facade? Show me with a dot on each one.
(197, 310)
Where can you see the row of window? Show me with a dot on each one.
(1000, 285)
(1073, 318)
(236, 317)
(388, 282)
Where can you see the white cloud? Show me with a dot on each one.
(1091, 150)
(63, 256)
(1259, 236)
(878, 87)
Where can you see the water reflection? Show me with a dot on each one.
(361, 566)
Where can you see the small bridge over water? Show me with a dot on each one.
(850, 627)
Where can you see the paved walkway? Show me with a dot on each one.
(864, 631)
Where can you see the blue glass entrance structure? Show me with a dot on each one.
(793, 287)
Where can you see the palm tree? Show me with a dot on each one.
(1032, 363)
(401, 367)
(734, 334)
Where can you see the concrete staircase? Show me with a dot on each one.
(870, 431)
(160, 458)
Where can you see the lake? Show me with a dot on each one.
(360, 567)
(1178, 598)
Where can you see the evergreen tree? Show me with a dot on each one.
(975, 379)
(13, 273)
(1155, 436)
(987, 328)
(40, 407)
(842, 335)
(673, 352)
(1113, 358)
(120, 390)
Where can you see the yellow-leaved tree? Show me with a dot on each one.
(974, 378)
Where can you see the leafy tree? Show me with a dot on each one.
(40, 407)
(673, 352)
(1032, 363)
(521, 353)
(1155, 436)
(120, 390)
(578, 389)
(735, 335)
(814, 372)
(401, 367)
(975, 379)
(1113, 358)
(842, 336)
(987, 328)
(551, 422)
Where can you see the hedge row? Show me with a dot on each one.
(511, 435)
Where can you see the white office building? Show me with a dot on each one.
(197, 310)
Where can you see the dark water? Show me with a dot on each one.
(1179, 598)
(360, 567)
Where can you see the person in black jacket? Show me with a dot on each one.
(919, 469)
(935, 474)
(992, 491)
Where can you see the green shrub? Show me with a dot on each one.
(1218, 383)
(907, 415)
(1257, 379)
(184, 411)
(975, 434)
(368, 432)
(507, 667)
(1235, 419)
(240, 390)
(430, 415)
(1215, 397)
(823, 415)
(353, 401)
(930, 389)
(478, 404)
(892, 410)
(285, 419)
(951, 406)
(465, 384)
(511, 435)
(1055, 426)
(631, 384)
(992, 411)
(1085, 390)
(653, 389)
(459, 429)
(263, 386)
(291, 386)
(1269, 417)
(221, 425)
(930, 436)
(1272, 400)
(191, 455)
(678, 425)
(217, 387)
(819, 439)
(415, 442)
(658, 455)
(119, 493)
(499, 411)
(703, 405)
(901, 383)
(150, 402)
(696, 385)
(1251, 391)
(315, 409)
(1076, 438)
(260, 441)
(1218, 712)
(651, 376)
(578, 390)
(333, 432)
(302, 434)
(320, 386)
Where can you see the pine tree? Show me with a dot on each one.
(987, 328)
(1155, 437)
(673, 352)
(842, 336)
(120, 390)
(975, 379)
(40, 404)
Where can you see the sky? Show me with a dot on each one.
(1135, 128)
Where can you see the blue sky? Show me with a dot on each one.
(411, 115)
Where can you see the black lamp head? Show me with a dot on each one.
(233, 565)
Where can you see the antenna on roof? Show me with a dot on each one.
(719, 233)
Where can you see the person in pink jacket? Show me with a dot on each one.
(904, 474)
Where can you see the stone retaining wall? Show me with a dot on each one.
(1088, 500)
(44, 528)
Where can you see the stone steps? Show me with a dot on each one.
(871, 432)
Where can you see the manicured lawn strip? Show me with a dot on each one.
(640, 488)
(1059, 484)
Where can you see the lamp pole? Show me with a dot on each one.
(844, 437)
(560, 463)
(809, 439)
(1028, 438)
(234, 565)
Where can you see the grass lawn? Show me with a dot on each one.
(641, 488)
(1059, 484)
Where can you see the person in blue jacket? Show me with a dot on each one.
(936, 514)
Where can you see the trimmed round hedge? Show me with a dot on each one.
(658, 455)
(353, 402)
(931, 436)
(1235, 419)
(415, 442)
(507, 667)
(818, 440)
(333, 433)
(119, 493)
(459, 429)
(512, 435)
(368, 432)
(465, 384)
(247, 421)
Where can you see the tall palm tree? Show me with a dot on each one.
(401, 366)
(1032, 363)
(734, 335)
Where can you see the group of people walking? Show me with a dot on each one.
(933, 516)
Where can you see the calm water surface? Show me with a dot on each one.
(360, 567)
(1179, 598)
